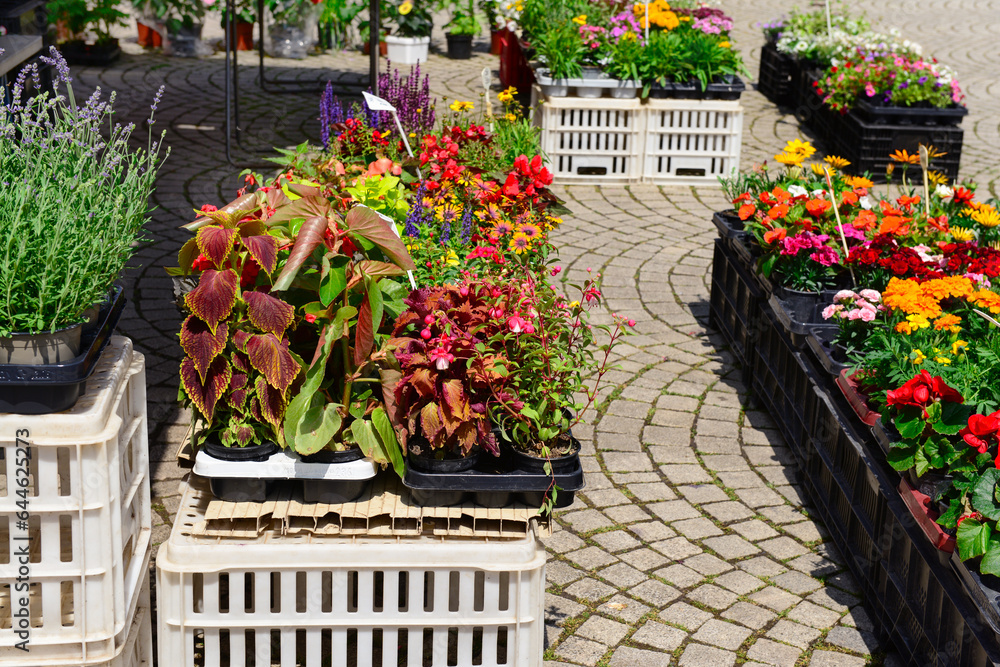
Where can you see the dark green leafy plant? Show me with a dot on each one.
(75, 196)
(101, 16)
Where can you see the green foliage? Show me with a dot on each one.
(412, 18)
(562, 50)
(100, 16)
(75, 196)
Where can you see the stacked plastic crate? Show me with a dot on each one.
(75, 525)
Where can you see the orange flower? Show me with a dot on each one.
(894, 224)
(948, 322)
(865, 220)
(940, 223)
(780, 195)
(904, 157)
(817, 207)
(986, 299)
(774, 235)
(747, 210)
(907, 202)
(779, 211)
(848, 198)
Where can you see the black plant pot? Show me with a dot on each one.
(100, 54)
(561, 465)
(459, 47)
(431, 464)
(261, 452)
(330, 456)
(241, 489)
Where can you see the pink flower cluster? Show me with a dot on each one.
(589, 35)
(847, 305)
(713, 25)
(822, 253)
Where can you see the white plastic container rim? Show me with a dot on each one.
(283, 465)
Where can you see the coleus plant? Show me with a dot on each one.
(237, 367)
(340, 273)
(442, 397)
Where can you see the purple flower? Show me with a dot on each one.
(466, 234)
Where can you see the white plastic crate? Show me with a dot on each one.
(590, 141)
(136, 649)
(691, 142)
(308, 601)
(88, 521)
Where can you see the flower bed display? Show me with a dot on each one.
(866, 94)
(394, 308)
(914, 326)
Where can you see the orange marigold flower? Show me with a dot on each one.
(948, 322)
(985, 299)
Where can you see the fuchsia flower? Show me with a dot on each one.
(441, 357)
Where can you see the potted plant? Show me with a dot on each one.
(82, 18)
(294, 30)
(411, 37)
(463, 26)
(245, 16)
(336, 21)
(443, 394)
(67, 164)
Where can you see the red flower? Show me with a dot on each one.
(747, 210)
(250, 271)
(921, 391)
(963, 195)
(979, 429)
(202, 263)
(817, 207)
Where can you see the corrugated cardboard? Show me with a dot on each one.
(385, 509)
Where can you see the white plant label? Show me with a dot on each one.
(376, 103)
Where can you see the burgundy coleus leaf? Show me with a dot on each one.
(271, 401)
(264, 249)
(430, 421)
(455, 406)
(216, 243)
(366, 223)
(241, 434)
(240, 340)
(239, 388)
(205, 394)
(201, 344)
(364, 333)
(244, 205)
(214, 297)
(423, 382)
(270, 356)
(268, 313)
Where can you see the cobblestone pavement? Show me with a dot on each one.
(692, 542)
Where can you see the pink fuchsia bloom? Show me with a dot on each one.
(871, 295)
(442, 358)
(832, 310)
(555, 270)
(517, 324)
(825, 256)
(591, 294)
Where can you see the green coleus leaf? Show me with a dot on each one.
(984, 495)
(973, 539)
(920, 463)
(334, 279)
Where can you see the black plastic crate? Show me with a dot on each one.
(776, 77)
(734, 303)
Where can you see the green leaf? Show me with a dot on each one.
(307, 399)
(375, 301)
(334, 278)
(984, 495)
(920, 463)
(933, 413)
(973, 539)
(317, 427)
(954, 417)
(991, 561)
(901, 456)
(390, 443)
(530, 413)
(909, 423)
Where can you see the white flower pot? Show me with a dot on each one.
(407, 50)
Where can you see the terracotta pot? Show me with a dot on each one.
(244, 36)
(383, 48)
(148, 37)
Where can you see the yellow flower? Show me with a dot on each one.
(817, 169)
(722, 45)
(580, 20)
(413, 134)
(961, 234)
(451, 259)
(799, 147)
(458, 106)
(958, 347)
(944, 361)
(406, 8)
(574, 304)
(790, 159)
(836, 162)
(937, 178)
(917, 357)
(987, 216)
(510, 118)
(507, 95)
(520, 243)
(949, 322)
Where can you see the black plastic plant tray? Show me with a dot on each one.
(776, 78)
(889, 115)
(692, 90)
(492, 487)
(37, 390)
(984, 588)
(797, 316)
(820, 342)
(729, 225)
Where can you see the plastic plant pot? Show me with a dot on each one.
(459, 46)
(241, 489)
(407, 50)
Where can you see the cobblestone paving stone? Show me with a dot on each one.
(691, 544)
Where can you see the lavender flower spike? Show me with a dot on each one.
(56, 60)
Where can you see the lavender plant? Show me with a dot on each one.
(411, 96)
(75, 197)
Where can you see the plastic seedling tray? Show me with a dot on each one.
(795, 314)
(917, 502)
(729, 225)
(830, 356)
(984, 588)
(848, 384)
(586, 87)
(730, 88)
(37, 390)
(251, 481)
(492, 484)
